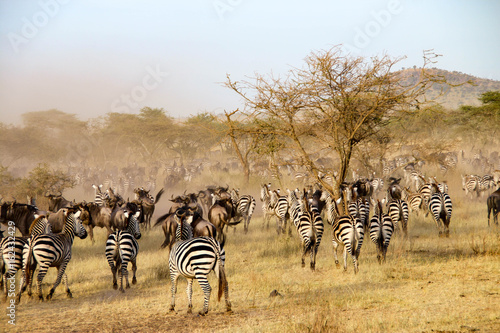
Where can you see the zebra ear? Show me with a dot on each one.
(339, 200)
(137, 214)
(126, 214)
(77, 214)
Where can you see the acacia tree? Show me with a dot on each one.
(331, 104)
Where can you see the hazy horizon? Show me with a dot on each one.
(94, 57)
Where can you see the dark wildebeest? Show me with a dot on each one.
(220, 215)
(200, 226)
(114, 199)
(170, 222)
(147, 203)
(120, 217)
(493, 203)
(21, 214)
(97, 216)
(57, 201)
(205, 199)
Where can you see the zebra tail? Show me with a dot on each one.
(28, 263)
(222, 277)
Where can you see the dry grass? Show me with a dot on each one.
(428, 284)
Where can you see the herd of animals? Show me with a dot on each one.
(195, 227)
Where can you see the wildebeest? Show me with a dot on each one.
(57, 201)
(170, 223)
(493, 203)
(200, 226)
(147, 203)
(220, 215)
(120, 216)
(21, 214)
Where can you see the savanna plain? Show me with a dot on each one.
(427, 284)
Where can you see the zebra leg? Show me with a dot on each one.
(124, 273)
(112, 265)
(60, 273)
(134, 269)
(65, 280)
(335, 248)
(345, 258)
(41, 274)
(313, 258)
(173, 279)
(189, 290)
(205, 286)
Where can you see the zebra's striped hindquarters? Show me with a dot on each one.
(194, 259)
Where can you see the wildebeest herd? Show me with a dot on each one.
(195, 227)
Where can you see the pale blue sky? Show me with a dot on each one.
(96, 56)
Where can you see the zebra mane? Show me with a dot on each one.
(36, 221)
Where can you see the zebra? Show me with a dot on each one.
(347, 232)
(414, 200)
(100, 197)
(441, 207)
(310, 229)
(381, 229)
(195, 258)
(268, 202)
(52, 250)
(359, 210)
(471, 184)
(244, 206)
(281, 212)
(11, 249)
(122, 248)
(398, 211)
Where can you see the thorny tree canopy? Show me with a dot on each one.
(334, 102)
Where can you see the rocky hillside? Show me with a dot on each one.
(465, 94)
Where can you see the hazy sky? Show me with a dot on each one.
(95, 56)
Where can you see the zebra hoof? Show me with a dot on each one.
(172, 308)
(134, 280)
(122, 290)
(115, 286)
(69, 294)
(190, 310)
(203, 313)
(127, 286)
(40, 298)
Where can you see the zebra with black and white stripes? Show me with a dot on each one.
(398, 211)
(11, 249)
(310, 229)
(381, 230)
(347, 232)
(193, 259)
(268, 202)
(52, 250)
(122, 248)
(244, 206)
(441, 207)
(100, 197)
(281, 212)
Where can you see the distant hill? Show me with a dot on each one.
(466, 94)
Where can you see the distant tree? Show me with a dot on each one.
(480, 122)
